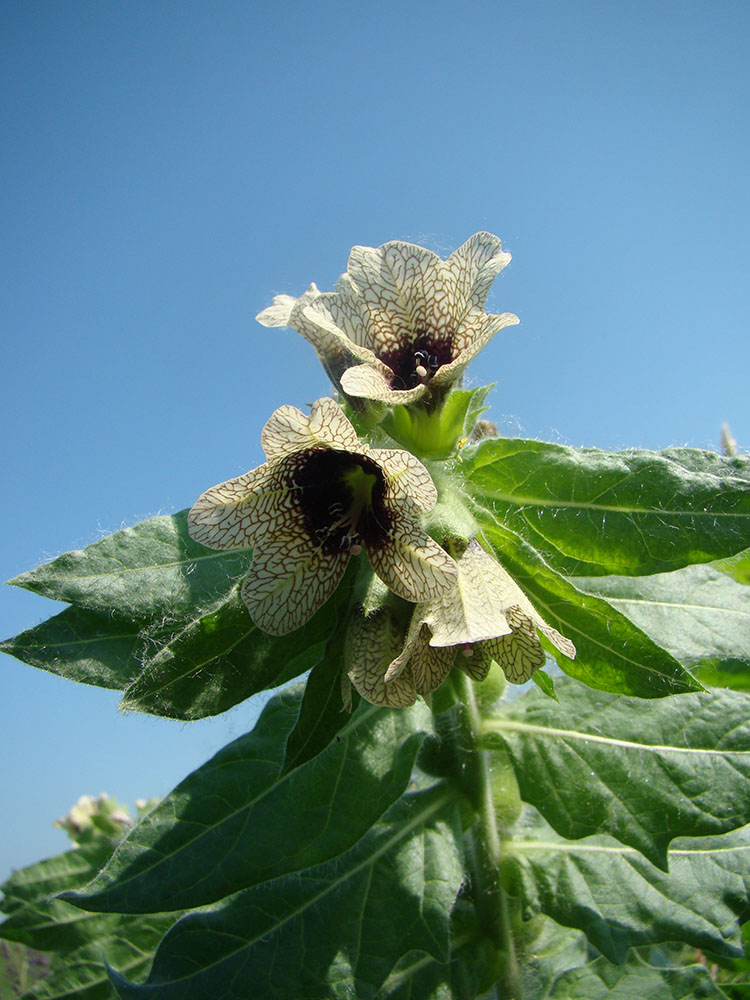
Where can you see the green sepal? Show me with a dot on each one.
(545, 683)
(436, 434)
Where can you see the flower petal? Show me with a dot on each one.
(430, 666)
(279, 312)
(399, 286)
(289, 580)
(412, 564)
(520, 653)
(232, 514)
(474, 609)
(329, 425)
(371, 645)
(289, 431)
(474, 661)
(474, 266)
(372, 381)
(514, 599)
(415, 637)
(406, 478)
(335, 321)
(469, 340)
(559, 641)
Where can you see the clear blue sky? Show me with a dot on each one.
(168, 167)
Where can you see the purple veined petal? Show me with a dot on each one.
(411, 563)
(520, 653)
(473, 267)
(289, 579)
(373, 381)
(430, 666)
(406, 478)
(288, 430)
(232, 514)
(477, 330)
(370, 646)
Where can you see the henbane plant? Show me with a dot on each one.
(400, 823)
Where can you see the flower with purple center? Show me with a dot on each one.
(402, 324)
(321, 497)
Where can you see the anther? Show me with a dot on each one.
(467, 650)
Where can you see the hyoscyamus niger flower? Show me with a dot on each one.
(322, 497)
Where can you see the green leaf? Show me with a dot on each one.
(551, 951)
(334, 931)
(593, 513)
(33, 885)
(620, 900)
(82, 973)
(76, 940)
(322, 714)
(682, 768)
(238, 820)
(143, 572)
(612, 653)
(218, 658)
(20, 969)
(91, 647)
(636, 980)
(737, 566)
(697, 613)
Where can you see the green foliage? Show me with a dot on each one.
(336, 855)
(58, 948)
(592, 512)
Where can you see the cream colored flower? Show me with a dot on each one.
(401, 324)
(322, 497)
(485, 617)
(373, 644)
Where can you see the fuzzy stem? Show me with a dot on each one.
(484, 854)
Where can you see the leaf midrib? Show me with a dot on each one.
(401, 832)
(498, 725)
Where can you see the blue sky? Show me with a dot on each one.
(169, 167)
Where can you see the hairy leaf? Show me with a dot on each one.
(600, 763)
(91, 647)
(238, 821)
(636, 980)
(218, 657)
(333, 931)
(77, 941)
(552, 950)
(612, 654)
(151, 569)
(620, 900)
(594, 512)
(699, 614)
(322, 714)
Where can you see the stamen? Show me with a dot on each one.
(467, 650)
(421, 371)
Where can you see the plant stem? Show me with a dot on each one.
(484, 855)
